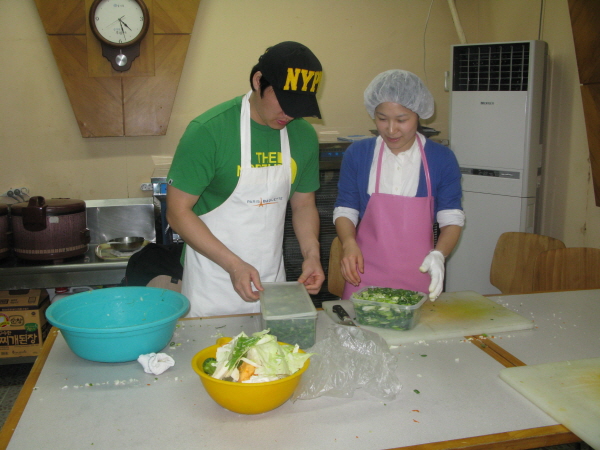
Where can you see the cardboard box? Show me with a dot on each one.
(23, 324)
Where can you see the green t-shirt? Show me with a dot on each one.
(207, 160)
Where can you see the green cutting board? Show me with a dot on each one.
(568, 391)
(452, 315)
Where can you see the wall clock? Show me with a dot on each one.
(120, 25)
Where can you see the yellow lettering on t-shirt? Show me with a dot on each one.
(268, 158)
(293, 162)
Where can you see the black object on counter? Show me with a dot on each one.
(154, 260)
(4, 247)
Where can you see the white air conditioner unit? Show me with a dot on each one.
(496, 115)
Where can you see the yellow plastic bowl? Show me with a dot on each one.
(245, 398)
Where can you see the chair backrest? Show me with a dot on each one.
(335, 280)
(514, 257)
(165, 282)
(567, 269)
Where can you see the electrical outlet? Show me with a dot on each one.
(19, 192)
(146, 186)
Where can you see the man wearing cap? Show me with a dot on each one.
(235, 168)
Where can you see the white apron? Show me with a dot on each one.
(250, 223)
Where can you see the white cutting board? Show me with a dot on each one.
(568, 391)
(453, 314)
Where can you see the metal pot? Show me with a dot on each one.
(4, 248)
(126, 244)
(51, 229)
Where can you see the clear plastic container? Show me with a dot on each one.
(386, 315)
(289, 313)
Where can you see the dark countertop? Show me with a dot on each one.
(83, 270)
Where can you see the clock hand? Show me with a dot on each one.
(110, 24)
(122, 30)
(123, 23)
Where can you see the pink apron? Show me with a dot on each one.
(394, 235)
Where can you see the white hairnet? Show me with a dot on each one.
(402, 87)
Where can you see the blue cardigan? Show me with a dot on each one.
(443, 170)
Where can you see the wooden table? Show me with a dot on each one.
(70, 403)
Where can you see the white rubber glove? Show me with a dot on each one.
(434, 264)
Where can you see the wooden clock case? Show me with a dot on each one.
(106, 102)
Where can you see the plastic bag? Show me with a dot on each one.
(349, 358)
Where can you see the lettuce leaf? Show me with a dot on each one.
(272, 361)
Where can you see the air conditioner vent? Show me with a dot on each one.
(491, 67)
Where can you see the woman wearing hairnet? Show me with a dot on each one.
(392, 189)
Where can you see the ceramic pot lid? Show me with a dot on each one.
(53, 206)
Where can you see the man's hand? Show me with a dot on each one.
(243, 276)
(312, 275)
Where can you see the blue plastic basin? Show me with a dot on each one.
(118, 324)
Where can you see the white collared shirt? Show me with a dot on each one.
(399, 173)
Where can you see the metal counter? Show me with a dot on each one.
(82, 270)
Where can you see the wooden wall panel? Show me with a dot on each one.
(175, 16)
(585, 20)
(148, 101)
(590, 94)
(107, 102)
(65, 17)
(96, 102)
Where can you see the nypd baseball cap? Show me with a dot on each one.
(295, 73)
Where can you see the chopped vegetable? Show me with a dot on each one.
(242, 344)
(294, 331)
(257, 359)
(209, 365)
(246, 371)
(389, 295)
(387, 307)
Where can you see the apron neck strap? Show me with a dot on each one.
(246, 142)
(245, 131)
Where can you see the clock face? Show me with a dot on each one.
(119, 22)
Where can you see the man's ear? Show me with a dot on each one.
(256, 80)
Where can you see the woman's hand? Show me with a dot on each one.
(352, 262)
(434, 264)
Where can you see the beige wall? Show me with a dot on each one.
(42, 149)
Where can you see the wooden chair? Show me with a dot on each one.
(567, 269)
(514, 259)
(165, 282)
(335, 280)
